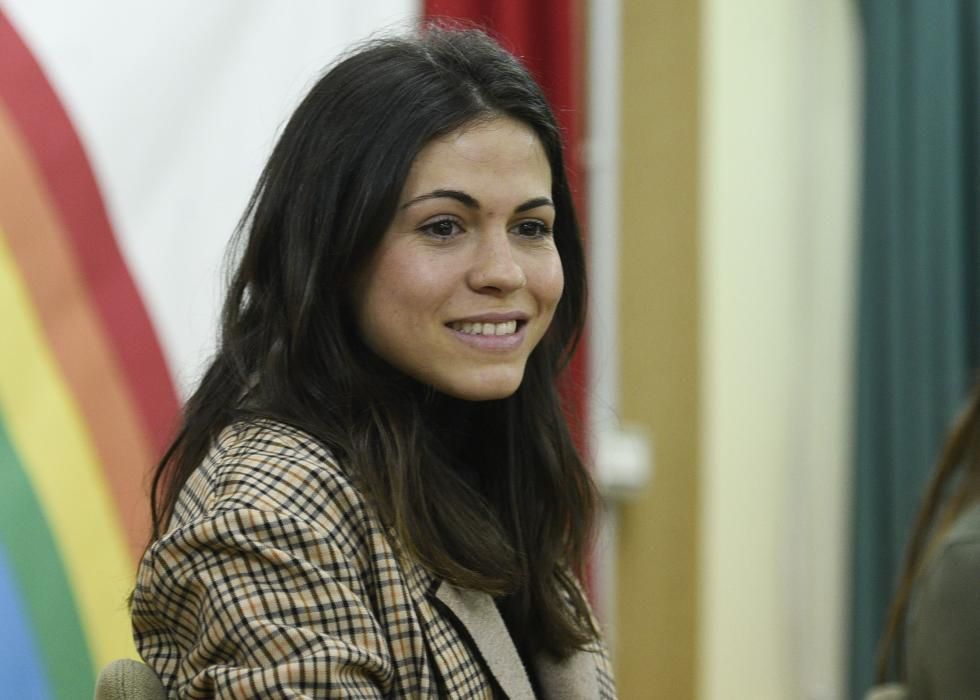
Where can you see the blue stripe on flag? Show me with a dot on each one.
(21, 674)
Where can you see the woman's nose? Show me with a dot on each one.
(495, 268)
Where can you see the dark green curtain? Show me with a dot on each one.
(918, 294)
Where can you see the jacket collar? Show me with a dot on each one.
(573, 678)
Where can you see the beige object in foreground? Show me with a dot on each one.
(125, 679)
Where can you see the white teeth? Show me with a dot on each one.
(505, 328)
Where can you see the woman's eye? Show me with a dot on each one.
(443, 228)
(533, 229)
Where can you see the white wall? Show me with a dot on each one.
(178, 104)
(780, 154)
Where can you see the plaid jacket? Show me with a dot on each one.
(275, 580)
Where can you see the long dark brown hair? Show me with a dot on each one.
(953, 487)
(491, 495)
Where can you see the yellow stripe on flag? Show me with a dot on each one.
(50, 437)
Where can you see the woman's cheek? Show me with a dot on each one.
(555, 281)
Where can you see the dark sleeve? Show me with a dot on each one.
(248, 603)
(944, 634)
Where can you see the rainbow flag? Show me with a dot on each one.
(86, 401)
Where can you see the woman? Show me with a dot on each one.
(374, 492)
(933, 628)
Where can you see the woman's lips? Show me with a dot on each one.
(500, 336)
(485, 328)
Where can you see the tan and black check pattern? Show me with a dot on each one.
(276, 581)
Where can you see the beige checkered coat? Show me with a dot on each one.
(275, 581)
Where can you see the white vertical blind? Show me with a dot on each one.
(779, 163)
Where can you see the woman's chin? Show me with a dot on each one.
(481, 388)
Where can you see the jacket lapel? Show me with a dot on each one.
(478, 614)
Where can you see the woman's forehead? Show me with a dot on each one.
(491, 153)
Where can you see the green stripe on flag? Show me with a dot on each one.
(40, 575)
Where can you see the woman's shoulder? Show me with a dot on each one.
(957, 554)
(266, 465)
(956, 557)
(944, 615)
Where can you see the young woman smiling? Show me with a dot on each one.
(374, 492)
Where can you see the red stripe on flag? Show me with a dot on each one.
(47, 128)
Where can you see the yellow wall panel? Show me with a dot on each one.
(657, 590)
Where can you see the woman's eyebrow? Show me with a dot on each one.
(471, 203)
(534, 204)
(460, 196)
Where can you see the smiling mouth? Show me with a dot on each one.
(504, 328)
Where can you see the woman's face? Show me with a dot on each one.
(465, 280)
